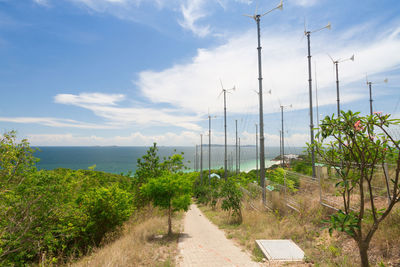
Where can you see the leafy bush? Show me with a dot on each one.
(232, 198)
(54, 213)
(105, 209)
(278, 176)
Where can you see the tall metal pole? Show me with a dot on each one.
(280, 147)
(201, 158)
(260, 94)
(337, 96)
(239, 154)
(226, 151)
(283, 139)
(337, 88)
(195, 160)
(370, 97)
(236, 148)
(316, 96)
(209, 149)
(256, 151)
(311, 106)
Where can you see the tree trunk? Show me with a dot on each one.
(169, 220)
(363, 248)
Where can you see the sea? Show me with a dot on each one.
(123, 159)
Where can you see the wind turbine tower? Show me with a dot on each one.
(257, 18)
(224, 91)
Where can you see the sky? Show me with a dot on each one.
(134, 72)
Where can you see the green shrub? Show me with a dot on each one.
(232, 198)
(105, 209)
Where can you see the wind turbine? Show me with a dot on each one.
(224, 91)
(308, 33)
(369, 83)
(257, 18)
(336, 63)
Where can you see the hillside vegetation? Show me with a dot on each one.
(52, 216)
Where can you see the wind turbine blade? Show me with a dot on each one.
(329, 26)
(221, 83)
(333, 61)
(250, 16)
(255, 12)
(220, 94)
(366, 77)
(280, 6)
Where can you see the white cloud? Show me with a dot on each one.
(135, 139)
(305, 3)
(105, 106)
(192, 11)
(89, 98)
(56, 122)
(42, 2)
(194, 86)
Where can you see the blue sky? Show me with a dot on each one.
(133, 72)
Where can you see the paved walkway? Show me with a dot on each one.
(203, 244)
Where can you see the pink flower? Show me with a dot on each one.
(378, 112)
(357, 126)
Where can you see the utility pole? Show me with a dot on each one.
(257, 17)
(308, 33)
(201, 158)
(236, 148)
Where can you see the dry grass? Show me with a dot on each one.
(307, 230)
(142, 243)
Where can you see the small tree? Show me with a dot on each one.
(232, 198)
(171, 191)
(355, 146)
(148, 167)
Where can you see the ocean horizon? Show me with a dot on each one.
(123, 159)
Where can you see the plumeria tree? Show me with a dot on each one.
(356, 146)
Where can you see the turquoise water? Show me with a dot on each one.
(123, 159)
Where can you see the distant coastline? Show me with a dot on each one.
(123, 159)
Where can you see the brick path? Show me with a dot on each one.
(203, 244)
